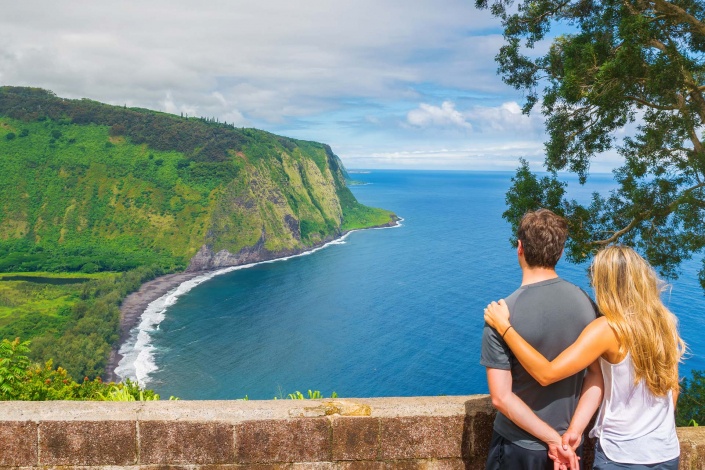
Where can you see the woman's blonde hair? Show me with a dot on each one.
(627, 291)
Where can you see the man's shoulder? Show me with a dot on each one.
(554, 294)
(512, 298)
(577, 294)
(552, 287)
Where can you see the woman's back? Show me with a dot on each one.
(634, 425)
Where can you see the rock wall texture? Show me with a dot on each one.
(381, 433)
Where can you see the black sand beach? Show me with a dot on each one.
(134, 305)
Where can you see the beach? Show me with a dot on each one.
(135, 304)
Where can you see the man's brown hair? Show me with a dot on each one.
(543, 235)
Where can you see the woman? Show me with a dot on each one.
(638, 347)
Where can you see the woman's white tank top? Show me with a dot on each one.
(634, 425)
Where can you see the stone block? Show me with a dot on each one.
(295, 440)
(153, 467)
(361, 465)
(442, 464)
(88, 443)
(176, 442)
(263, 466)
(477, 436)
(421, 437)
(355, 438)
(313, 466)
(266, 466)
(18, 446)
(698, 457)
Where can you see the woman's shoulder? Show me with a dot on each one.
(600, 327)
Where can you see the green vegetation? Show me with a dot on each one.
(691, 401)
(75, 324)
(360, 216)
(115, 197)
(20, 379)
(629, 76)
(312, 395)
(129, 391)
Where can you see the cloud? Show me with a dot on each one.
(446, 115)
(492, 156)
(344, 73)
(270, 59)
(502, 119)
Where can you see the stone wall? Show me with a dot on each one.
(380, 433)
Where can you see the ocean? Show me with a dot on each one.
(382, 312)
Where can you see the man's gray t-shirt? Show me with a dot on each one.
(549, 315)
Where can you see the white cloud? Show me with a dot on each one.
(271, 59)
(502, 119)
(344, 73)
(442, 116)
(479, 155)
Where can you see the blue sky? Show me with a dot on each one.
(390, 84)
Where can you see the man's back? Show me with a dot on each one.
(550, 315)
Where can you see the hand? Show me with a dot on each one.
(563, 457)
(571, 439)
(497, 316)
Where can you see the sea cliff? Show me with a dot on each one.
(89, 187)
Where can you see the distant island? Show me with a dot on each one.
(96, 200)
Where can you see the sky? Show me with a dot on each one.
(387, 84)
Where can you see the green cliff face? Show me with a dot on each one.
(89, 187)
(116, 196)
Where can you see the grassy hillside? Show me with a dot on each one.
(91, 188)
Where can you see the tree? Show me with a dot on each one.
(629, 76)
(691, 407)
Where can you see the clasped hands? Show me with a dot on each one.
(563, 456)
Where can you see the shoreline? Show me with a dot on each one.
(134, 305)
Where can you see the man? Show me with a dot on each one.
(550, 314)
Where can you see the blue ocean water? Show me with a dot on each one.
(391, 312)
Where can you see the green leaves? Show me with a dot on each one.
(13, 364)
(628, 77)
(22, 380)
(528, 193)
(128, 391)
(311, 395)
(691, 401)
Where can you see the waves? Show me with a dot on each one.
(137, 352)
(138, 358)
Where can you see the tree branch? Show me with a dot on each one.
(658, 45)
(541, 17)
(643, 216)
(680, 14)
(697, 98)
(652, 105)
(615, 236)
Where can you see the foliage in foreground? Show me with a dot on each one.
(629, 76)
(691, 401)
(20, 379)
(75, 324)
(312, 395)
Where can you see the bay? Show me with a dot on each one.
(389, 312)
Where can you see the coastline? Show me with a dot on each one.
(134, 305)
